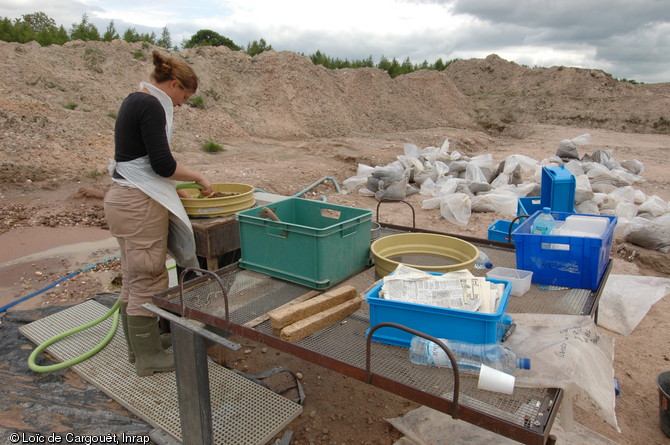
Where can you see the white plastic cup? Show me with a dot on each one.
(491, 379)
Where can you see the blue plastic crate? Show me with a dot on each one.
(500, 231)
(557, 192)
(453, 324)
(558, 189)
(528, 205)
(569, 261)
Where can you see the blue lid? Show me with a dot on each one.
(523, 363)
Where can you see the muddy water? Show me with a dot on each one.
(56, 251)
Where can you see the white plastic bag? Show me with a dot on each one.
(654, 206)
(569, 352)
(505, 203)
(583, 190)
(394, 190)
(584, 139)
(650, 234)
(473, 173)
(456, 208)
(354, 183)
(626, 299)
(626, 210)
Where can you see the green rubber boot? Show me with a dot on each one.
(166, 339)
(146, 343)
(124, 324)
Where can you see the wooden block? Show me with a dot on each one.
(258, 320)
(307, 326)
(286, 315)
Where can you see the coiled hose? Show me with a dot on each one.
(114, 311)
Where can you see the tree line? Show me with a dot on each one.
(43, 29)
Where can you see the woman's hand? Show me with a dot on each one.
(183, 194)
(183, 173)
(207, 190)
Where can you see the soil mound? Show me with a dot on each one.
(60, 102)
(504, 95)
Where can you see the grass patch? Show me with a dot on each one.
(196, 102)
(212, 93)
(94, 59)
(662, 125)
(93, 174)
(212, 147)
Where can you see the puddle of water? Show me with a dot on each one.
(37, 242)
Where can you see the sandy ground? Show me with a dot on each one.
(340, 409)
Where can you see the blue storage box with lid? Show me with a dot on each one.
(557, 192)
(315, 243)
(564, 260)
(453, 324)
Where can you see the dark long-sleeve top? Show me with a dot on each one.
(140, 131)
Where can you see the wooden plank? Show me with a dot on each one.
(307, 326)
(258, 320)
(285, 316)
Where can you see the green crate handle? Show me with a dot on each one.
(277, 232)
(353, 230)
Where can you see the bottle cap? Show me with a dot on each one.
(523, 363)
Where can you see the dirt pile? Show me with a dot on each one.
(505, 95)
(61, 101)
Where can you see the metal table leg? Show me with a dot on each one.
(190, 341)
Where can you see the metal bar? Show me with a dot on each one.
(209, 272)
(195, 326)
(189, 343)
(404, 202)
(195, 410)
(593, 310)
(530, 436)
(437, 341)
(471, 239)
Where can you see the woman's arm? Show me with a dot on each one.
(183, 173)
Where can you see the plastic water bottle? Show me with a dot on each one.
(469, 356)
(544, 223)
(483, 262)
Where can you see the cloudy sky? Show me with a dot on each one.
(627, 38)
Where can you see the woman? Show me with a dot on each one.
(142, 206)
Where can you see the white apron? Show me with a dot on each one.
(139, 174)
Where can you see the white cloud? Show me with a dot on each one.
(626, 39)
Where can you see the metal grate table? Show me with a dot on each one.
(525, 416)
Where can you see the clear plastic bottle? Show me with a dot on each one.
(544, 223)
(469, 356)
(483, 262)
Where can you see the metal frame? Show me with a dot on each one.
(190, 341)
(535, 431)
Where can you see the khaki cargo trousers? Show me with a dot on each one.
(140, 225)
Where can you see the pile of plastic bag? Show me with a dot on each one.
(458, 185)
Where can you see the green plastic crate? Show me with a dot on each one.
(316, 244)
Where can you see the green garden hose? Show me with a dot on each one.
(115, 322)
(114, 311)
